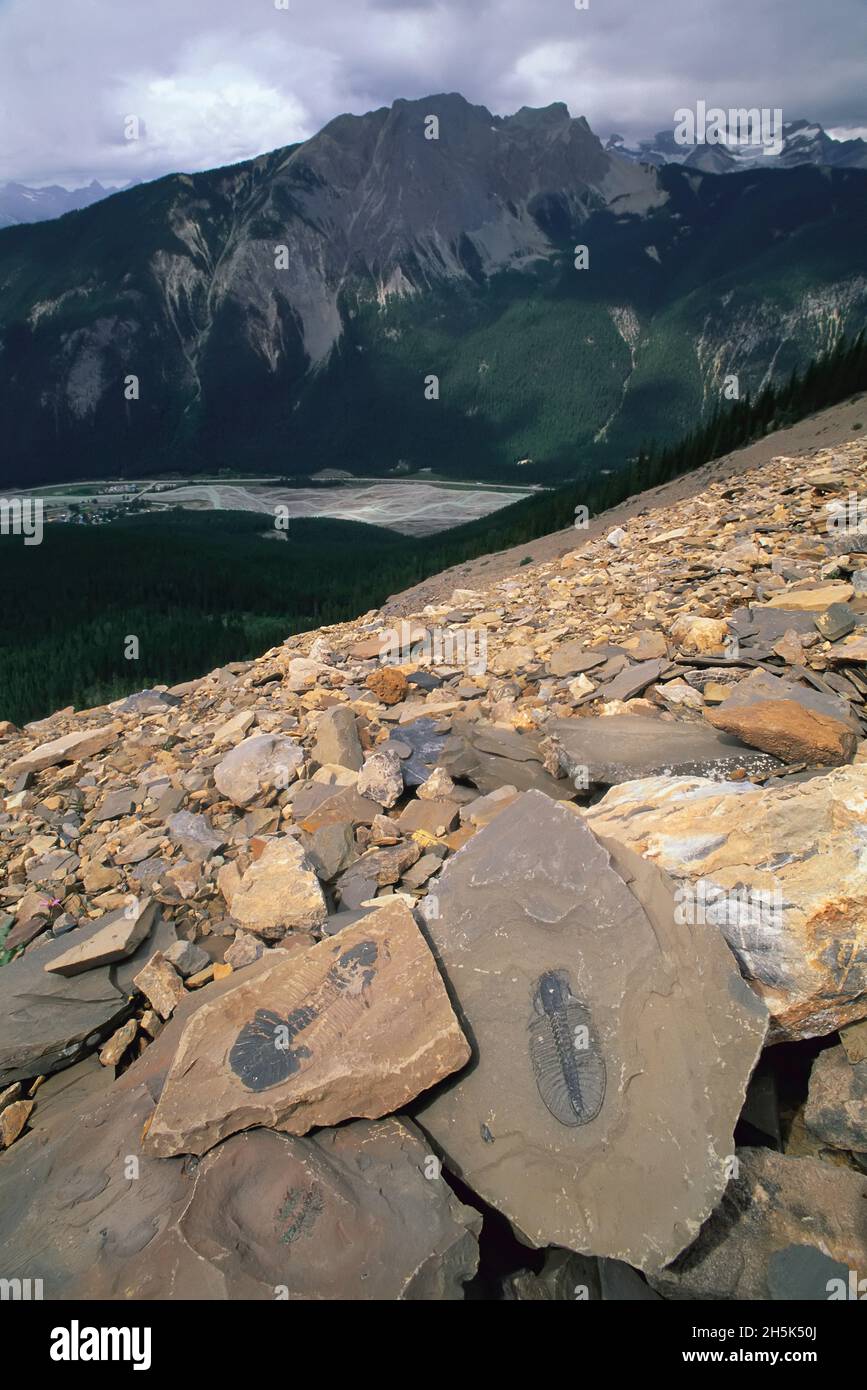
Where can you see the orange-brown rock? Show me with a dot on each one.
(388, 685)
(790, 721)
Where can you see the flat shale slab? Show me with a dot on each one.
(358, 1025)
(611, 1045)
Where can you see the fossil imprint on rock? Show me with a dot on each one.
(261, 1056)
(564, 1052)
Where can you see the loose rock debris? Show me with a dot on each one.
(320, 938)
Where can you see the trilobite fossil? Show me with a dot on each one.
(564, 1052)
(269, 1049)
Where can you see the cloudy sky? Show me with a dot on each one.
(216, 81)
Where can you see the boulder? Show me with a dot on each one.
(779, 870)
(279, 892)
(256, 764)
(618, 748)
(790, 721)
(608, 1041)
(337, 739)
(354, 1027)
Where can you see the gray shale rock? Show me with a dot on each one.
(622, 747)
(775, 1204)
(348, 1214)
(265, 760)
(565, 958)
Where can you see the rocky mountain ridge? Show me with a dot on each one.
(19, 203)
(563, 876)
(211, 320)
(802, 142)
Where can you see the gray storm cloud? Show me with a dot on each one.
(215, 81)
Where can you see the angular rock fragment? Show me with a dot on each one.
(572, 658)
(46, 1019)
(492, 758)
(622, 747)
(70, 748)
(356, 1026)
(632, 681)
(608, 1040)
(279, 892)
(337, 739)
(195, 835)
(787, 720)
(418, 747)
(836, 1110)
(569, 1278)
(837, 621)
(331, 849)
(119, 934)
(432, 817)
(746, 1247)
(851, 650)
(340, 806)
(381, 778)
(116, 804)
(854, 1040)
(258, 763)
(813, 598)
(112, 1051)
(160, 984)
(244, 950)
(235, 728)
(780, 872)
(147, 702)
(187, 958)
(13, 1118)
(699, 636)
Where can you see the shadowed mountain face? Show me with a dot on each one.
(284, 314)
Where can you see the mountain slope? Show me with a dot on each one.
(285, 313)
